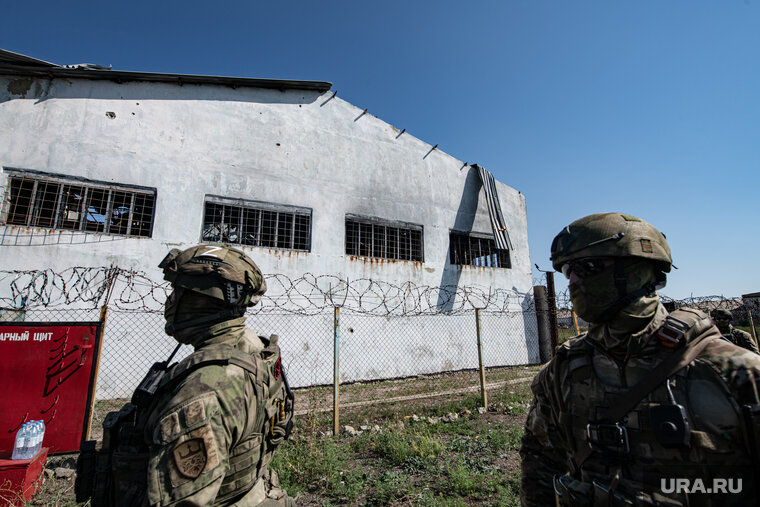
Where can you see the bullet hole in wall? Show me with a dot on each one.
(110, 114)
(350, 330)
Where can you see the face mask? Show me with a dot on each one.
(722, 325)
(170, 307)
(595, 296)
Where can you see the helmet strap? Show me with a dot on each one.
(621, 281)
(624, 299)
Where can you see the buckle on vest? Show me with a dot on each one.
(608, 437)
(671, 334)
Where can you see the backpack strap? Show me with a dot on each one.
(221, 355)
(680, 326)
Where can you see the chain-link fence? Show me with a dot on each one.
(386, 344)
(432, 341)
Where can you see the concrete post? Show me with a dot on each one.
(545, 349)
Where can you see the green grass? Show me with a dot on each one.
(471, 461)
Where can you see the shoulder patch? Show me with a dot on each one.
(190, 457)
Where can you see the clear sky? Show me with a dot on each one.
(651, 107)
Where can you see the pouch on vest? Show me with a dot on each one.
(280, 406)
(95, 467)
(84, 484)
(669, 422)
(570, 492)
(752, 430)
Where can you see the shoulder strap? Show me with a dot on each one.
(662, 371)
(221, 355)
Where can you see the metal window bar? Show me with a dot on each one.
(58, 204)
(83, 211)
(256, 227)
(46, 203)
(131, 214)
(109, 210)
(32, 200)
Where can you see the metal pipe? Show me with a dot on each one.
(336, 372)
(480, 360)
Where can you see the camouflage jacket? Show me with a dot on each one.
(207, 433)
(741, 338)
(583, 379)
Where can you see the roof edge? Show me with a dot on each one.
(20, 59)
(15, 63)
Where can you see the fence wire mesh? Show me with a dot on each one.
(399, 345)
(386, 331)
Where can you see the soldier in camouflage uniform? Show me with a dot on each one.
(644, 398)
(722, 319)
(203, 431)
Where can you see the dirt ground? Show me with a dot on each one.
(390, 405)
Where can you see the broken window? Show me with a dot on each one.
(477, 250)
(383, 239)
(253, 223)
(58, 202)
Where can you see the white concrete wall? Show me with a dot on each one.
(291, 147)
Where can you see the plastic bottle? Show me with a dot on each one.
(42, 434)
(40, 437)
(35, 438)
(19, 446)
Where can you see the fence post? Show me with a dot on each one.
(480, 360)
(543, 322)
(752, 325)
(113, 273)
(552, 297)
(575, 319)
(336, 371)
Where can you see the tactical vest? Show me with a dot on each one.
(671, 433)
(116, 473)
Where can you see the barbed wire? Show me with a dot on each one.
(308, 294)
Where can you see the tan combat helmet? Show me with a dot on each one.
(722, 313)
(617, 236)
(611, 235)
(215, 271)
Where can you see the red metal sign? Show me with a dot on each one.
(47, 371)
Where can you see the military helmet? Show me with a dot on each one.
(217, 271)
(611, 235)
(721, 313)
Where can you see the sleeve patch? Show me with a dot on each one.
(170, 426)
(190, 457)
(194, 454)
(194, 413)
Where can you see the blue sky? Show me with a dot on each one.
(651, 107)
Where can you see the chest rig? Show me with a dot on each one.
(627, 435)
(115, 473)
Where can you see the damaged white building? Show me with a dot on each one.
(103, 167)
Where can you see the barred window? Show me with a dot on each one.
(383, 239)
(253, 223)
(50, 201)
(477, 250)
